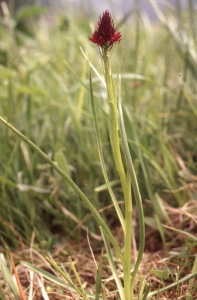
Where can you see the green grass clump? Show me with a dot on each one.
(45, 94)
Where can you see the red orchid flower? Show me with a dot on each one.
(105, 34)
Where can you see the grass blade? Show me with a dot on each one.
(112, 265)
(99, 277)
(7, 276)
(73, 185)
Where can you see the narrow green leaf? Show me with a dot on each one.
(190, 235)
(192, 286)
(7, 276)
(160, 209)
(141, 288)
(99, 277)
(172, 285)
(65, 275)
(62, 162)
(189, 297)
(45, 274)
(77, 276)
(65, 176)
(147, 289)
(112, 265)
(53, 278)
(163, 274)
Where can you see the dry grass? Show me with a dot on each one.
(178, 260)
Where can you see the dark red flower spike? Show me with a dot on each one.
(105, 34)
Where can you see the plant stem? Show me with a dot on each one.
(136, 192)
(113, 198)
(125, 180)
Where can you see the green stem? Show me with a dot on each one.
(98, 138)
(114, 135)
(125, 181)
(136, 192)
(128, 241)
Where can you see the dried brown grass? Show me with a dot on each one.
(178, 259)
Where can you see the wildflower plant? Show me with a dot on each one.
(105, 36)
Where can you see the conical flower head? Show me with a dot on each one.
(105, 34)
